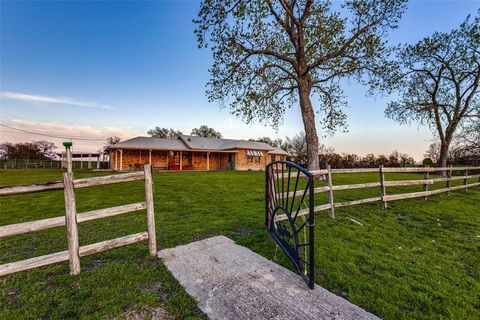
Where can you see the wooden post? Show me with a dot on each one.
(208, 161)
(152, 239)
(89, 165)
(98, 161)
(81, 160)
(425, 186)
(150, 157)
(140, 152)
(479, 183)
(383, 188)
(71, 223)
(449, 180)
(465, 181)
(181, 160)
(331, 211)
(116, 157)
(121, 159)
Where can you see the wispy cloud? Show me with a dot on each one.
(57, 100)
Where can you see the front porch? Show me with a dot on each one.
(131, 160)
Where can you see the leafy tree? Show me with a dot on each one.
(274, 143)
(438, 80)
(269, 55)
(109, 142)
(35, 150)
(167, 133)
(427, 162)
(205, 131)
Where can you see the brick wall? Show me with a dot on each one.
(135, 159)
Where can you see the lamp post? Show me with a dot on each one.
(68, 152)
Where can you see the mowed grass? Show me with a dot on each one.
(415, 260)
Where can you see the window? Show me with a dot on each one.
(273, 157)
(253, 156)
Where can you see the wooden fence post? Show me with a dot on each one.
(449, 180)
(425, 186)
(478, 182)
(71, 223)
(465, 181)
(331, 211)
(382, 185)
(152, 239)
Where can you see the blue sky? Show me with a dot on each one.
(100, 68)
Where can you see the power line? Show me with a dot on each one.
(52, 135)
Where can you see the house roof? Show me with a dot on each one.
(277, 150)
(152, 143)
(195, 142)
(189, 143)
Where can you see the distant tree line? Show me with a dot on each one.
(296, 148)
(34, 150)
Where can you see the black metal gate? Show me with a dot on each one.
(289, 216)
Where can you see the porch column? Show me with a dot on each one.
(116, 158)
(89, 161)
(208, 161)
(98, 162)
(181, 158)
(121, 159)
(140, 152)
(81, 160)
(150, 157)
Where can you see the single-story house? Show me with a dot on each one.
(192, 153)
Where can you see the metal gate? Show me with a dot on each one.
(289, 216)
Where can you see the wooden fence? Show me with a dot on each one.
(51, 164)
(382, 184)
(71, 220)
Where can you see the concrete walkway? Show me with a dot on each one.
(232, 282)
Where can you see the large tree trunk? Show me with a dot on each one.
(442, 159)
(308, 116)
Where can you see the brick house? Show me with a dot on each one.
(192, 153)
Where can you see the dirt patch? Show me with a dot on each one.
(147, 313)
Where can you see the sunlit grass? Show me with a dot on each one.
(415, 260)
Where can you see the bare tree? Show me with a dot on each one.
(468, 138)
(296, 148)
(270, 55)
(109, 142)
(438, 80)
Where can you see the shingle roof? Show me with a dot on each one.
(277, 150)
(152, 143)
(187, 143)
(195, 142)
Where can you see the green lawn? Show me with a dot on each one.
(415, 260)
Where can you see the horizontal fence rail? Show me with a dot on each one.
(383, 184)
(71, 219)
(37, 225)
(79, 183)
